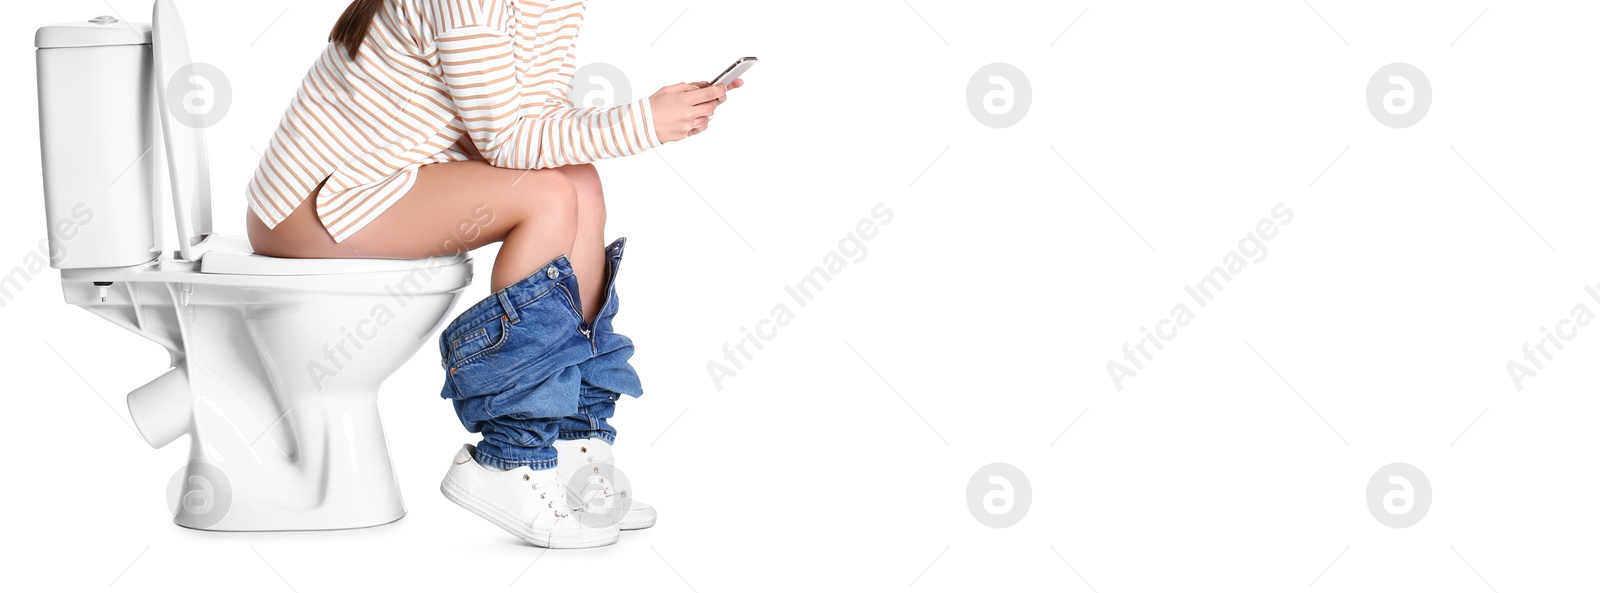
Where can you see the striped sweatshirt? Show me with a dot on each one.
(431, 72)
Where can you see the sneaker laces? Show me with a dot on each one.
(597, 460)
(553, 495)
(601, 460)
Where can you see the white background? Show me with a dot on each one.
(990, 305)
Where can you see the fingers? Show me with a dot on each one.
(689, 108)
(708, 94)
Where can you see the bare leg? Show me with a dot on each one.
(589, 249)
(453, 207)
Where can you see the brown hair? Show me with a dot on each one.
(352, 27)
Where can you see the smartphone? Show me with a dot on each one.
(734, 72)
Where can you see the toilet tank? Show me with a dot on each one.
(98, 143)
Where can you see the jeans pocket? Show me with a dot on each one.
(523, 366)
(475, 343)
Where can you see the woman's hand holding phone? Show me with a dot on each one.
(683, 110)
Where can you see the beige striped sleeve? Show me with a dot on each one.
(476, 58)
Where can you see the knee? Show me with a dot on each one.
(591, 198)
(551, 201)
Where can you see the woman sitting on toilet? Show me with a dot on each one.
(424, 116)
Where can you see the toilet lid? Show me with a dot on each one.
(224, 254)
(187, 159)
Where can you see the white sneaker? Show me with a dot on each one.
(530, 504)
(600, 489)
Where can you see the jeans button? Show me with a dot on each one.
(553, 273)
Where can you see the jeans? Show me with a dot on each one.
(523, 369)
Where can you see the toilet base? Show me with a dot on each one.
(346, 523)
(206, 498)
(323, 465)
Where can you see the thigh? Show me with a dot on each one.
(452, 208)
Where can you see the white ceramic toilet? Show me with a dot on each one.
(276, 363)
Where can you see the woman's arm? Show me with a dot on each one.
(476, 59)
(480, 75)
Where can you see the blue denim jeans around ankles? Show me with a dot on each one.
(523, 369)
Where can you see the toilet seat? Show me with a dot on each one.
(228, 261)
(233, 255)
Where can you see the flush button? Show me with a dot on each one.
(103, 20)
(552, 273)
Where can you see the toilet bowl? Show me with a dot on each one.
(276, 363)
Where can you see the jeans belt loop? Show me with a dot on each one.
(505, 303)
